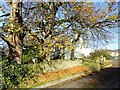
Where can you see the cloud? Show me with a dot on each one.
(85, 51)
(112, 46)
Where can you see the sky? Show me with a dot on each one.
(114, 43)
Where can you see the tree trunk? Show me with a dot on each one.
(48, 56)
(63, 53)
(15, 39)
(15, 49)
(72, 54)
(15, 53)
(75, 42)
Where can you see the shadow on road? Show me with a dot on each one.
(108, 78)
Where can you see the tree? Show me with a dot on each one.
(92, 22)
(48, 37)
(55, 24)
(89, 25)
(98, 53)
(14, 31)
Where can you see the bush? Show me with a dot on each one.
(27, 59)
(12, 74)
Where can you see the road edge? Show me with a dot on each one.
(62, 80)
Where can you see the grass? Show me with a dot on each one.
(106, 64)
(40, 79)
(40, 84)
(43, 78)
(96, 66)
(93, 66)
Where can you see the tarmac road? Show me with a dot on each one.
(106, 78)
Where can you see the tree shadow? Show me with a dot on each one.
(107, 78)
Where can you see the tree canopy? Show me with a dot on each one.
(43, 26)
(100, 53)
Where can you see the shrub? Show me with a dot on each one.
(27, 59)
(12, 74)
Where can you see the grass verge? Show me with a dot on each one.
(40, 79)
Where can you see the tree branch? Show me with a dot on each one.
(101, 22)
(7, 14)
(4, 38)
(68, 20)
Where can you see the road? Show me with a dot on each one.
(106, 78)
